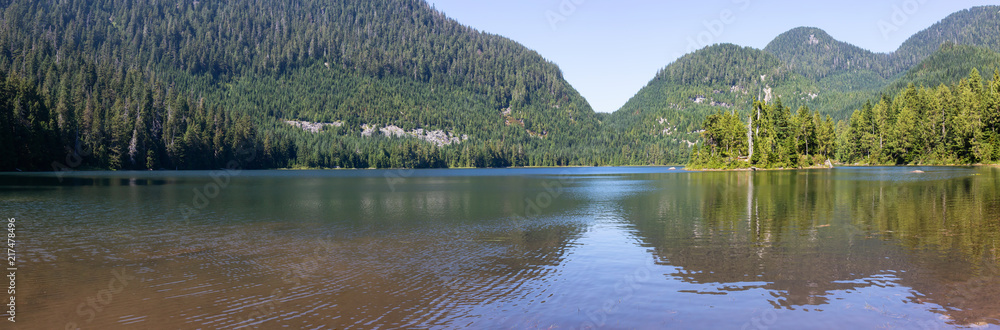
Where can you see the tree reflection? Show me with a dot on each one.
(805, 235)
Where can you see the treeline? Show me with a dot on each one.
(184, 85)
(806, 66)
(669, 111)
(124, 124)
(919, 126)
(173, 84)
(944, 125)
(771, 137)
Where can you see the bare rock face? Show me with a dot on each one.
(313, 127)
(393, 131)
(812, 40)
(437, 137)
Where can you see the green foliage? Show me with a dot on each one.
(29, 137)
(947, 66)
(946, 125)
(777, 138)
(156, 84)
(725, 147)
(194, 85)
(726, 135)
(807, 67)
(977, 26)
(669, 112)
(815, 54)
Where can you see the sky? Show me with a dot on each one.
(608, 50)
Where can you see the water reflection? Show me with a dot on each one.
(301, 252)
(619, 248)
(807, 236)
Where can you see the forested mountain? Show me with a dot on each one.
(668, 112)
(808, 67)
(802, 67)
(153, 84)
(947, 66)
(719, 79)
(977, 26)
(674, 103)
(847, 75)
(815, 54)
(156, 84)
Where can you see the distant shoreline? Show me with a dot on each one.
(760, 169)
(677, 167)
(834, 167)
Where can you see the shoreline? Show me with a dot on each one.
(761, 169)
(677, 167)
(836, 166)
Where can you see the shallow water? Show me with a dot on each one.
(514, 248)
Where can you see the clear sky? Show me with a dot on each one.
(608, 50)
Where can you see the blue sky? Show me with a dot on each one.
(608, 50)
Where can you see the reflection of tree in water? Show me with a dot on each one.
(298, 255)
(433, 274)
(803, 235)
(952, 230)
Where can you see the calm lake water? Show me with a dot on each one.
(508, 248)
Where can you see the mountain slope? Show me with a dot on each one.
(815, 54)
(947, 66)
(805, 66)
(358, 64)
(669, 111)
(839, 75)
(977, 26)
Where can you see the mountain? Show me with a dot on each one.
(803, 67)
(839, 76)
(115, 84)
(668, 112)
(977, 26)
(948, 65)
(847, 76)
(806, 67)
(815, 54)
(160, 84)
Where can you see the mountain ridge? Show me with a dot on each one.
(392, 83)
(814, 53)
(816, 70)
(383, 63)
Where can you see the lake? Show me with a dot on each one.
(640, 247)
